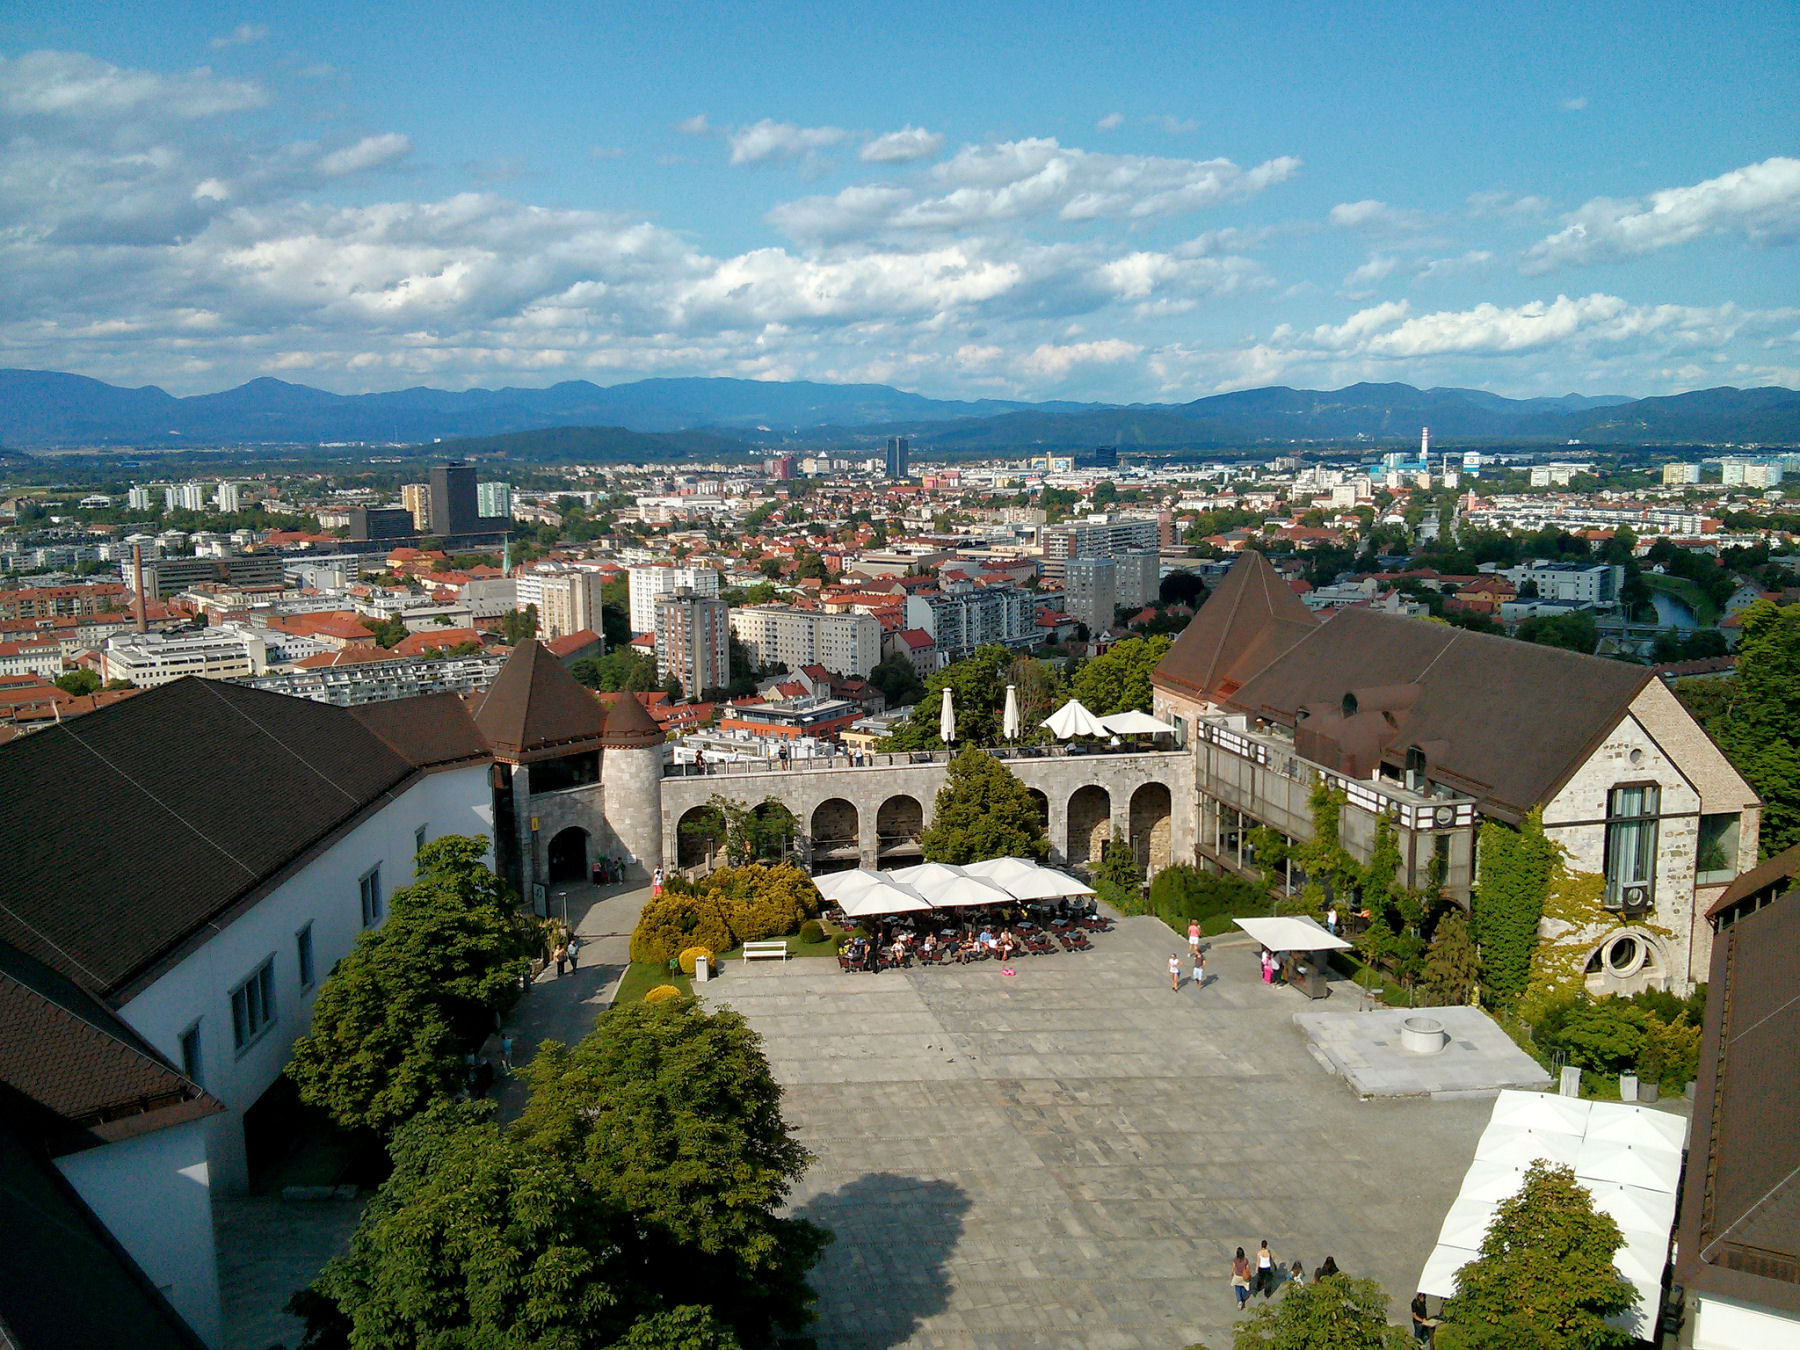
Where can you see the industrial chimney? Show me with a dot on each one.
(137, 572)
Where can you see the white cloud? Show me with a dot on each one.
(1359, 285)
(1175, 126)
(1760, 202)
(72, 85)
(1500, 203)
(1373, 215)
(1111, 122)
(901, 147)
(1139, 276)
(241, 36)
(767, 139)
(1575, 104)
(697, 125)
(371, 152)
(1474, 260)
(1055, 361)
(1033, 178)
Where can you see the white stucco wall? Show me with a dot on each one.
(1722, 1324)
(325, 894)
(152, 1194)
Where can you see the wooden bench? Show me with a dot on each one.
(774, 947)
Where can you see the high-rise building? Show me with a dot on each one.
(228, 497)
(138, 498)
(567, 600)
(453, 509)
(845, 644)
(649, 581)
(1138, 576)
(1679, 475)
(1106, 456)
(184, 497)
(493, 501)
(416, 497)
(961, 621)
(693, 642)
(1090, 590)
(1424, 445)
(780, 467)
(1098, 536)
(898, 448)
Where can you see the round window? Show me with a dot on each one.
(1624, 955)
(1637, 756)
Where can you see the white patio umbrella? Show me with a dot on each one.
(1466, 1223)
(1652, 1167)
(886, 897)
(1135, 723)
(1073, 720)
(1009, 719)
(947, 719)
(951, 887)
(1491, 1182)
(1521, 1148)
(1439, 1276)
(837, 885)
(1541, 1111)
(1026, 880)
(1637, 1125)
(1634, 1207)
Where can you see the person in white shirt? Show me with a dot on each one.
(1174, 972)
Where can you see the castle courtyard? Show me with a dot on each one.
(1070, 1155)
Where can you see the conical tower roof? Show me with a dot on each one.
(1245, 624)
(629, 725)
(536, 710)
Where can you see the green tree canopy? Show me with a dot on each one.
(898, 682)
(1452, 965)
(621, 670)
(1335, 1313)
(1118, 880)
(82, 681)
(983, 811)
(1545, 1276)
(518, 624)
(977, 691)
(1119, 679)
(1758, 725)
(393, 1018)
(672, 1117)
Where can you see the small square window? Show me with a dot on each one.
(370, 891)
(253, 1006)
(303, 949)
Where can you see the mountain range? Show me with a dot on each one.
(42, 409)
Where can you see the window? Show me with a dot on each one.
(253, 1005)
(1715, 859)
(1631, 846)
(303, 949)
(190, 1053)
(418, 840)
(370, 888)
(1415, 770)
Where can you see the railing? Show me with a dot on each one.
(894, 759)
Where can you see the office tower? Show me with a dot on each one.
(693, 642)
(453, 499)
(898, 447)
(493, 501)
(416, 497)
(1106, 457)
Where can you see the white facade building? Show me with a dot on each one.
(138, 498)
(151, 659)
(228, 497)
(648, 582)
(567, 600)
(845, 644)
(493, 499)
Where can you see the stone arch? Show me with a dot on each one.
(1090, 823)
(777, 843)
(700, 838)
(834, 829)
(1041, 801)
(1152, 821)
(1627, 961)
(568, 855)
(898, 825)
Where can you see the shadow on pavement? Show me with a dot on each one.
(888, 1269)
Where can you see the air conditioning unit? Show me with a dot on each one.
(1636, 897)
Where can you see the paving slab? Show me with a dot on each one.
(1069, 1155)
(1368, 1050)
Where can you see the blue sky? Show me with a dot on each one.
(1050, 201)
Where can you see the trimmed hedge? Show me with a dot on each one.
(1182, 893)
(691, 958)
(812, 931)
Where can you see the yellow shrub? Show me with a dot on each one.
(691, 956)
(661, 992)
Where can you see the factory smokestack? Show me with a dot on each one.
(137, 572)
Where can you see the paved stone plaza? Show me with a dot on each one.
(1070, 1155)
(1367, 1049)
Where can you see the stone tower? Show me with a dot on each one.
(631, 784)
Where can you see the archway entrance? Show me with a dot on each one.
(700, 837)
(1042, 802)
(1090, 824)
(569, 855)
(1151, 821)
(898, 825)
(835, 830)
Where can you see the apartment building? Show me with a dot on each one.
(567, 600)
(1090, 590)
(693, 642)
(1595, 585)
(845, 644)
(416, 498)
(962, 620)
(648, 582)
(1098, 536)
(151, 659)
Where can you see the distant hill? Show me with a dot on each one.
(47, 408)
(594, 445)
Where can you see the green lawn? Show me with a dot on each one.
(643, 976)
(1706, 613)
(826, 946)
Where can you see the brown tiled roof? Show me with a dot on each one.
(1740, 1211)
(77, 1061)
(1503, 720)
(429, 731)
(536, 710)
(629, 725)
(571, 642)
(128, 832)
(1246, 623)
(1782, 867)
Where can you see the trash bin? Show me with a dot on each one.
(702, 970)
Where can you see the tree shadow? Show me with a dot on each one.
(888, 1269)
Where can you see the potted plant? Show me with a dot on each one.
(1649, 1072)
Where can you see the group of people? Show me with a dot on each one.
(608, 871)
(565, 951)
(1196, 954)
(1262, 1274)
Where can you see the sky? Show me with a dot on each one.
(1126, 203)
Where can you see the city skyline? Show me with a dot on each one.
(1153, 205)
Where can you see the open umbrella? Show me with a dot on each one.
(947, 719)
(1073, 720)
(884, 897)
(1541, 1111)
(1135, 723)
(838, 885)
(952, 887)
(1009, 719)
(1028, 880)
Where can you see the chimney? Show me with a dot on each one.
(137, 571)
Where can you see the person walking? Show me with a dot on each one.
(1174, 972)
(1265, 1269)
(506, 1055)
(1331, 920)
(656, 883)
(562, 958)
(574, 945)
(1193, 937)
(1329, 1268)
(1240, 1278)
(1199, 968)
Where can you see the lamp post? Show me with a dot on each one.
(564, 897)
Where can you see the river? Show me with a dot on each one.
(1672, 611)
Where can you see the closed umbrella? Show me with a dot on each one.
(1009, 719)
(947, 719)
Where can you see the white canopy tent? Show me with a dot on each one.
(837, 885)
(1136, 723)
(1072, 720)
(950, 887)
(1288, 933)
(886, 897)
(1025, 880)
(1629, 1158)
